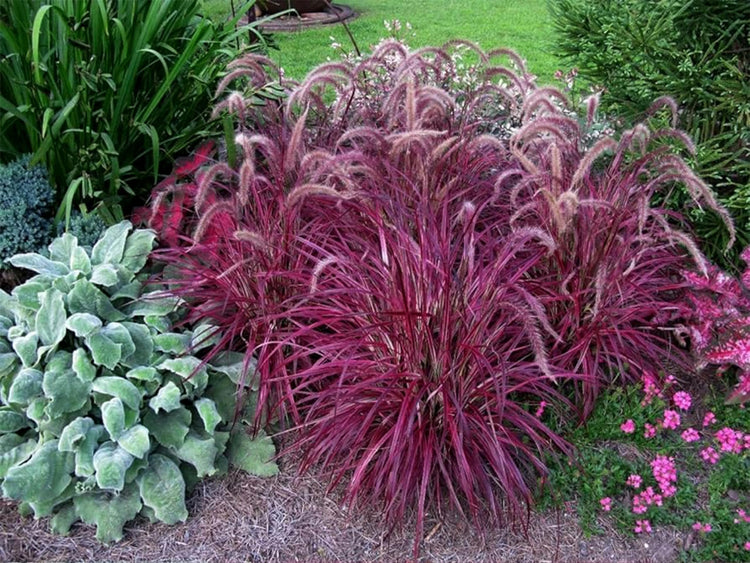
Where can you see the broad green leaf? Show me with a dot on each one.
(39, 264)
(167, 399)
(233, 365)
(63, 519)
(35, 410)
(45, 507)
(200, 453)
(74, 433)
(43, 478)
(137, 249)
(163, 489)
(68, 393)
(139, 464)
(105, 275)
(110, 463)
(253, 455)
(118, 334)
(129, 292)
(209, 414)
(169, 429)
(26, 348)
(160, 323)
(190, 369)
(83, 324)
(108, 512)
(145, 374)
(8, 363)
(103, 350)
(172, 342)
(27, 385)
(82, 366)
(135, 441)
(50, 319)
(110, 247)
(85, 452)
(113, 417)
(61, 249)
(85, 297)
(28, 293)
(11, 421)
(204, 336)
(154, 303)
(15, 455)
(60, 361)
(121, 388)
(80, 261)
(144, 345)
(224, 394)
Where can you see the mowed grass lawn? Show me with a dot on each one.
(522, 25)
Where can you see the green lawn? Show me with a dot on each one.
(523, 25)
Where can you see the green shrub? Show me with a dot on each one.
(697, 52)
(105, 412)
(106, 93)
(25, 203)
(86, 227)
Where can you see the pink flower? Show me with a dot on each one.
(690, 435)
(606, 503)
(747, 546)
(730, 440)
(709, 419)
(634, 481)
(742, 514)
(642, 526)
(540, 411)
(650, 431)
(671, 419)
(639, 507)
(700, 527)
(628, 426)
(682, 400)
(710, 455)
(650, 389)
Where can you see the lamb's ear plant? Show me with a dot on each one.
(106, 411)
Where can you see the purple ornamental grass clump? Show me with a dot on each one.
(414, 288)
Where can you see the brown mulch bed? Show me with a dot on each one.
(290, 518)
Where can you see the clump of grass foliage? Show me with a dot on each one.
(415, 281)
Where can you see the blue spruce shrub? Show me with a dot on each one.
(25, 208)
(86, 227)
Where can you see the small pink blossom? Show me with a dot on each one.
(682, 400)
(606, 503)
(710, 455)
(747, 546)
(742, 514)
(650, 430)
(628, 426)
(701, 527)
(634, 481)
(690, 435)
(709, 419)
(671, 419)
(540, 411)
(642, 526)
(650, 389)
(730, 440)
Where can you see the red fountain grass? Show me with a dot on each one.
(416, 291)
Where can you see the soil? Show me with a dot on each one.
(290, 518)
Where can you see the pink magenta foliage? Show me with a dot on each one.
(420, 264)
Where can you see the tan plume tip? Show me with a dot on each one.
(307, 190)
(253, 238)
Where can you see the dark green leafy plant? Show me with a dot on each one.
(106, 93)
(105, 409)
(25, 203)
(697, 52)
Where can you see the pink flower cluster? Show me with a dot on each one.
(682, 400)
(642, 526)
(650, 389)
(671, 419)
(606, 503)
(709, 419)
(665, 474)
(650, 430)
(648, 497)
(634, 481)
(690, 435)
(710, 455)
(743, 516)
(702, 527)
(730, 440)
(628, 426)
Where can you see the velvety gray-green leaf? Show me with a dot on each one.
(235, 366)
(135, 441)
(103, 350)
(137, 249)
(119, 387)
(167, 399)
(82, 366)
(83, 324)
(26, 348)
(80, 261)
(199, 452)
(50, 319)
(110, 463)
(163, 489)
(27, 384)
(67, 391)
(111, 246)
(128, 292)
(11, 420)
(105, 275)
(254, 455)
(63, 519)
(74, 433)
(204, 336)
(113, 417)
(61, 248)
(144, 374)
(143, 342)
(39, 264)
(16, 455)
(108, 512)
(85, 297)
(169, 429)
(172, 342)
(42, 478)
(8, 363)
(118, 334)
(84, 462)
(154, 303)
(160, 323)
(209, 414)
